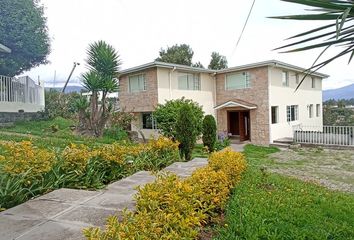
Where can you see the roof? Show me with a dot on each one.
(4, 49)
(273, 63)
(236, 103)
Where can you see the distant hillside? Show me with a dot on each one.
(68, 89)
(346, 92)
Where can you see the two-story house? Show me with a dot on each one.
(256, 102)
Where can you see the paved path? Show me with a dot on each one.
(63, 213)
(238, 147)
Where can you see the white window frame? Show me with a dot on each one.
(195, 81)
(247, 80)
(311, 111)
(153, 120)
(285, 78)
(318, 110)
(276, 114)
(289, 116)
(142, 87)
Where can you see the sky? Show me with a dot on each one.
(139, 29)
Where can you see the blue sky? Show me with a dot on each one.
(138, 29)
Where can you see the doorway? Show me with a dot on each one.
(239, 124)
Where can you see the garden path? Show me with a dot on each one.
(63, 213)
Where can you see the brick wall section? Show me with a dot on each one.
(144, 101)
(257, 94)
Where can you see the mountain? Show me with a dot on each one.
(346, 92)
(68, 89)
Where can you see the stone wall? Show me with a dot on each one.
(256, 94)
(10, 117)
(144, 101)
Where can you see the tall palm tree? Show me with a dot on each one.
(338, 32)
(103, 64)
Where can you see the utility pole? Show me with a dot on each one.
(71, 73)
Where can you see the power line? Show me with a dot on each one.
(243, 29)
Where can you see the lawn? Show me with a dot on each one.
(271, 206)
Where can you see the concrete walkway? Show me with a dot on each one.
(238, 147)
(63, 213)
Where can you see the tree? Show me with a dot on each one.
(338, 33)
(179, 54)
(23, 29)
(209, 132)
(103, 64)
(186, 131)
(217, 61)
(198, 65)
(166, 115)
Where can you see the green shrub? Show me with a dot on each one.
(60, 105)
(186, 131)
(116, 133)
(166, 115)
(209, 132)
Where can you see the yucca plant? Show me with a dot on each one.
(103, 64)
(338, 32)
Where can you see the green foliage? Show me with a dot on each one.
(338, 33)
(61, 105)
(209, 132)
(186, 132)
(166, 115)
(179, 54)
(270, 206)
(122, 119)
(198, 65)
(23, 29)
(217, 61)
(116, 133)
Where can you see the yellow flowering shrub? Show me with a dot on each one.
(174, 208)
(22, 157)
(118, 152)
(76, 156)
(230, 162)
(162, 144)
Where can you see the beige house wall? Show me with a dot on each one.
(283, 96)
(256, 94)
(168, 89)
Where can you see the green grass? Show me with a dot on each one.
(199, 151)
(271, 206)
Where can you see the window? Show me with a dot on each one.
(275, 114)
(237, 81)
(313, 82)
(297, 78)
(188, 81)
(318, 110)
(311, 111)
(148, 121)
(285, 78)
(292, 113)
(137, 83)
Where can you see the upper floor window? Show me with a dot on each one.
(311, 111)
(292, 113)
(318, 110)
(237, 81)
(285, 78)
(313, 82)
(137, 83)
(149, 122)
(188, 81)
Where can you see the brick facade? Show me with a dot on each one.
(144, 101)
(257, 94)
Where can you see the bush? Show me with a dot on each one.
(209, 132)
(166, 115)
(173, 208)
(116, 133)
(61, 105)
(186, 131)
(122, 119)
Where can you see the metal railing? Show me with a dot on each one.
(324, 135)
(21, 90)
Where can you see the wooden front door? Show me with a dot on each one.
(233, 118)
(244, 119)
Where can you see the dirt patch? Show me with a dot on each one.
(331, 168)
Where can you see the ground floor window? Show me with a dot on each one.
(311, 111)
(274, 114)
(148, 121)
(318, 110)
(292, 113)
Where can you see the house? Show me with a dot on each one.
(255, 102)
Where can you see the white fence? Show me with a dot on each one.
(20, 92)
(324, 135)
